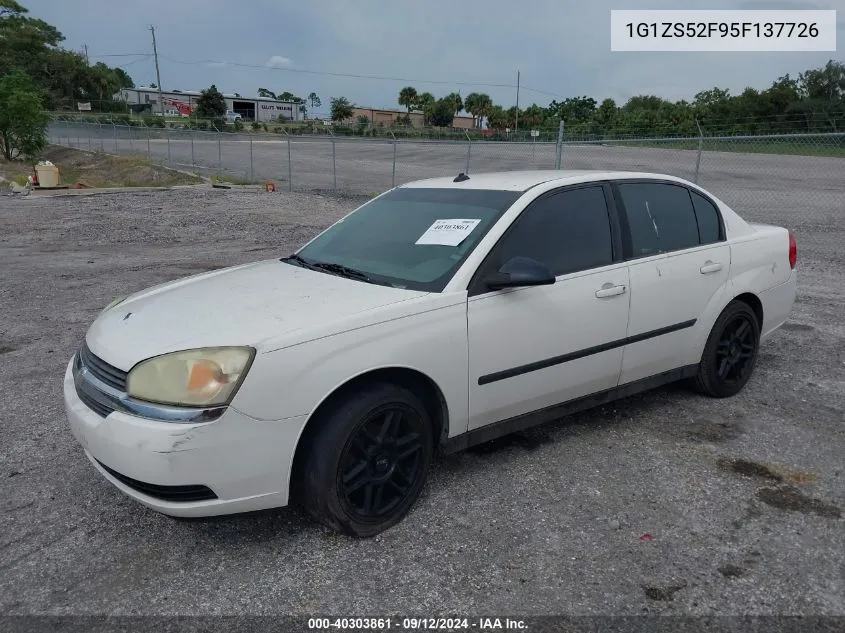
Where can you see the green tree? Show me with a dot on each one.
(314, 100)
(478, 105)
(606, 115)
(497, 118)
(408, 97)
(266, 94)
(23, 121)
(211, 104)
(341, 109)
(457, 103)
(533, 116)
(471, 106)
(23, 40)
(824, 84)
(443, 113)
(425, 102)
(63, 76)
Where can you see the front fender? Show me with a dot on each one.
(295, 380)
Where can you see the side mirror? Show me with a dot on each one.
(518, 272)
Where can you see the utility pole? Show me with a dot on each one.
(516, 120)
(158, 76)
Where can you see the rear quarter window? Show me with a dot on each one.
(707, 215)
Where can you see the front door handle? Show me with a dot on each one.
(710, 267)
(609, 290)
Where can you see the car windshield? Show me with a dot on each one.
(413, 238)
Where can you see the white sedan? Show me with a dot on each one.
(440, 314)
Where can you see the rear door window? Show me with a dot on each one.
(660, 218)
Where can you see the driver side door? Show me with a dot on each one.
(534, 347)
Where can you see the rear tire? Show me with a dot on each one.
(730, 353)
(367, 462)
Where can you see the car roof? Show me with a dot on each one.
(524, 180)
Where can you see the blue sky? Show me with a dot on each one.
(561, 47)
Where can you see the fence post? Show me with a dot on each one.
(290, 168)
(334, 163)
(219, 151)
(169, 158)
(469, 148)
(559, 145)
(251, 164)
(393, 179)
(698, 158)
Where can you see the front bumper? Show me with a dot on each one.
(243, 462)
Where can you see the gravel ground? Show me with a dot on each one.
(664, 503)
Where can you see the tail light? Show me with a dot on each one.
(793, 251)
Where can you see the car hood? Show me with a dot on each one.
(243, 305)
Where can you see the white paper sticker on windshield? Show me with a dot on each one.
(448, 232)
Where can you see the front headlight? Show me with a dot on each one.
(197, 377)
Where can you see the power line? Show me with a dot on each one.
(134, 61)
(121, 55)
(360, 76)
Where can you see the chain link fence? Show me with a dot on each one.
(747, 172)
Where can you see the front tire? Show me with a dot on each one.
(368, 460)
(731, 352)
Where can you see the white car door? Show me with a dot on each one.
(680, 266)
(534, 347)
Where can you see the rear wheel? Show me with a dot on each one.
(368, 460)
(731, 352)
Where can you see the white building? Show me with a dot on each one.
(183, 102)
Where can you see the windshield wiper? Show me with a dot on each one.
(301, 261)
(343, 271)
(336, 269)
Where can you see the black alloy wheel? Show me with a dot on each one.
(366, 460)
(381, 462)
(731, 352)
(735, 350)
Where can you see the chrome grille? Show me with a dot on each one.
(97, 407)
(101, 370)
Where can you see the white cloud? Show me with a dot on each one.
(277, 61)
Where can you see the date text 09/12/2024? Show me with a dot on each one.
(416, 624)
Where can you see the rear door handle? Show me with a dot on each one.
(710, 267)
(609, 290)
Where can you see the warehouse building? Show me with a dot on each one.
(183, 102)
(388, 118)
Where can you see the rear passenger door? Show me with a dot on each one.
(674, 241)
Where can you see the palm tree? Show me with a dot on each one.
(484, 107)
(408, 97)
(455, 99)
(471, 106)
